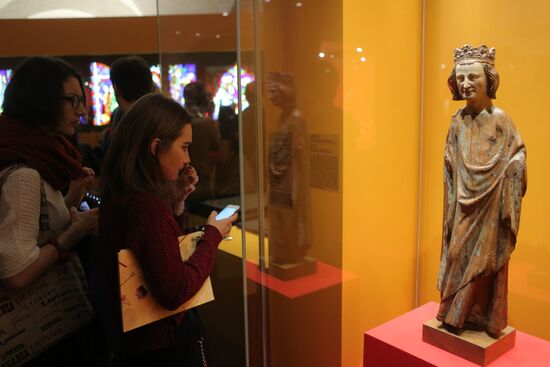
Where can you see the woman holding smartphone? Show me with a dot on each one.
(146, 178)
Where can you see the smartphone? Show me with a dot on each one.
(227, 212)
(90, 201)
(93, 200)
(83, 207)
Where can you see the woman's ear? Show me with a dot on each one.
(155, 146)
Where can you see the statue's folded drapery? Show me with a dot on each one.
(485, 180)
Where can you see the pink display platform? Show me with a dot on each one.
(326, 276)
(399, 343)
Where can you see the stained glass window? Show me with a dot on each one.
(227, 93)
(4, 80)
(179, 75)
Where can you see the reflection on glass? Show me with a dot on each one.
(227, 89)
(155, 72)
(288, 209)
(179, 76)
(4, 80)
(103, 94)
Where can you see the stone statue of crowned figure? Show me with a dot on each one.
(484, 183)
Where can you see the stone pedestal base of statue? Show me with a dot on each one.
(293, 270)
(475, 346)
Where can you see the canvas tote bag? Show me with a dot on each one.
(38, 317)
(138, 305)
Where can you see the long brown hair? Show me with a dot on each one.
(129, 164)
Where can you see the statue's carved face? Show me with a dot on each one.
(471, 81)
(279, 93)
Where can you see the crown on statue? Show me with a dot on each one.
(469, 54)
(280, 77)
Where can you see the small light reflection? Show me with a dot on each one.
(443, 66)
(218, 36)
(178, 33)
(359, 49)
(299, 4)
(321, 55)
(225, 14)
(197, 34)
(363, 59)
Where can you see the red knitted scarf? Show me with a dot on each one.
(53, 156)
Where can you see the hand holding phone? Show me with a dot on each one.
(223, 220)
(227, 212)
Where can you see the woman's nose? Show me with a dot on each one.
(81, 110)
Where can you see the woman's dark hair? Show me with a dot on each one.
(129, 164)
(34, 93)
(493, 80)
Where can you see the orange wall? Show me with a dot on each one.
(78, 36)
(381, 164)
(134, 35)
(520, 35)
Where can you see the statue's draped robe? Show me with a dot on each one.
(288, 211)
(485, 180)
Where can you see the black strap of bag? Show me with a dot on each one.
(191, 341)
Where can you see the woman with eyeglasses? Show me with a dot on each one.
(42, 180)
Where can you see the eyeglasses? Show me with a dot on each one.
(76, 101)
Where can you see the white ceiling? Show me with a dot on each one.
(41, 9)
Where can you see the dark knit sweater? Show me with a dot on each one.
(144, 222)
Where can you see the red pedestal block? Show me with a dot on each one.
(399, 343)
(325, 276)
(475, 346)
(302, 318)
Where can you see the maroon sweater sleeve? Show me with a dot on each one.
(152, 232)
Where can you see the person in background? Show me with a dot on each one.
(227, 168)
(42, 183)
(147, 161)
(132, 79)
(205, 151)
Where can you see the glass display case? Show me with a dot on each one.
(370, 82)
(332, 118)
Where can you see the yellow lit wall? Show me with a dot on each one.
(381, 100)
(519, 32)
